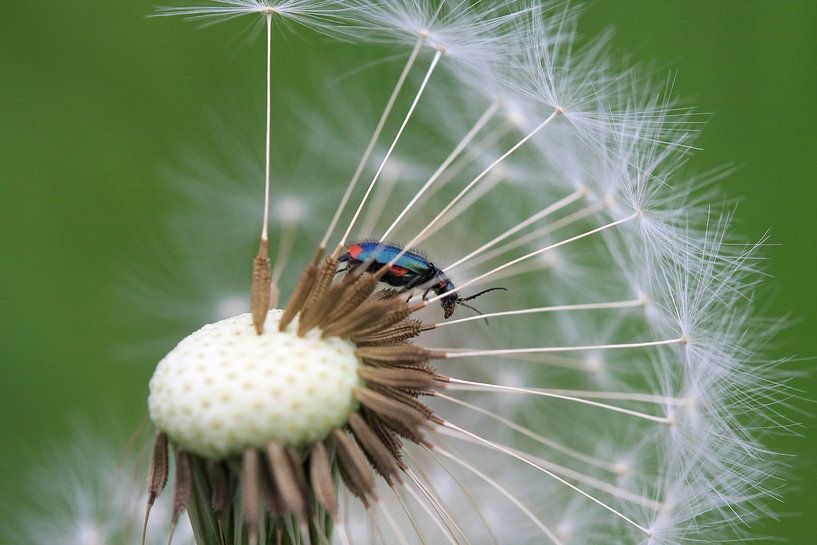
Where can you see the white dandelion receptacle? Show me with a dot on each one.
(224, 388)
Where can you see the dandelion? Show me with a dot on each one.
(86, 492)
(611, 395)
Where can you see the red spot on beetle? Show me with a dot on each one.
(398, 271)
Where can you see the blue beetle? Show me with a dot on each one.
(411, 270)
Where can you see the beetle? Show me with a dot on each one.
(412, 269)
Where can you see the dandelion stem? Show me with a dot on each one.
(442, 513)
(378, 532)
(620, 396)
(558, 205)
(480, 148)
(454, 382)
(532, 254)
(576, 364)
(541, 232)
(487, 185)
(380, 199)
(261, 288)
(598, 484)
(475, 504)
(437, 518)
(466, 140)
(538, 310)
(509, 452)
(468, 353)
(401, 537)
(502, 490)
(482, 175)
(342, 533)
(550, 443)
(409, 515)
(406, 119)
(265, 225)
(470, 186)
(372, 141)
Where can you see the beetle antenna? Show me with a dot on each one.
(469, 307)
(460, 301)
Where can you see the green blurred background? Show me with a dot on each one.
(95, 98)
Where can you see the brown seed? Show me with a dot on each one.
(358, 318)
(354, 468)
(218, 474)
(297, 463)
(376, 451)
(251, 487)
(320, 476)
(273, 502)
(402, 331)
(183, 490)
(379, 322)
(324, 306)
(400, 353)
(387, 293)
(359, 289)
(157, 474)
(302, 290)
(403, 418)
(157, 477)
(388, 436)
(311, 309)
(414, 380)
(261, 287)
(406, 398)
(286, 482)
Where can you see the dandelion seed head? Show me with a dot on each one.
(610, 395)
